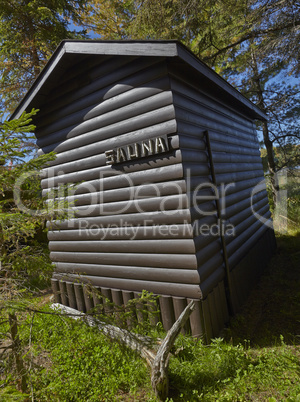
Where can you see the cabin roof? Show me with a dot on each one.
(66, 53)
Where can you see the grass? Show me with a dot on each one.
(224, 372)
(70, 361)
(83, 364)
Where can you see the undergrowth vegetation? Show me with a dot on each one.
(69, 361)
(82, 364)
(224, 372)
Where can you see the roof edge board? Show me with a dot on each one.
(123, 48)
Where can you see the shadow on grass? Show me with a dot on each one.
(273, 308)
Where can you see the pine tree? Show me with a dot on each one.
(30, 30)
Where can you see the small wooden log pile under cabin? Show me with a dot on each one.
(170, 193)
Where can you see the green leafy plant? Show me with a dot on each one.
(81, 363)
(224, 372)
(18, 225)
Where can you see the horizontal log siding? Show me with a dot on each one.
(90, 133)
(103, 76)
(173, 246)
(237, 166)
(168, 288)
(119, 235)
(130, 272)
(208, 248)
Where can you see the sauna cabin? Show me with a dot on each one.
(169, 192)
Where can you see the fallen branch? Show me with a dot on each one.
(159, 375)
(158, 361)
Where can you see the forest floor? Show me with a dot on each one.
(273, 308)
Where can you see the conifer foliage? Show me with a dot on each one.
(253, 44)
(30, 30)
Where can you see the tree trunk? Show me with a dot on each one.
(35, 60)
(271, 163)
(268, 143)
(17, 351)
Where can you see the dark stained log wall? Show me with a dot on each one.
(141, 224)
(237, 167)
(133, 103)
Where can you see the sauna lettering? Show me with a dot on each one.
(140, 149)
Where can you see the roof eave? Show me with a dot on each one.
(133, 48)
(39, 82)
